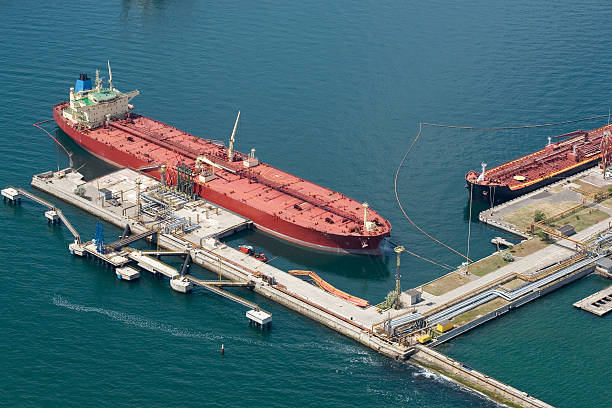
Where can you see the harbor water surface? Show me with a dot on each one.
(332, 92)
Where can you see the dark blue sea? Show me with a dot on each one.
(332, 92)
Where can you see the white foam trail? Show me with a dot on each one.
(357, 354)
(144, 323)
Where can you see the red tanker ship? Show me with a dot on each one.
(101, 120)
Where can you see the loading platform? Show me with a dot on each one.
(599, 303)
(153, 265)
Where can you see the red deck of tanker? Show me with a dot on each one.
(277, 202)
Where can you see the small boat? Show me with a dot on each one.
(247, 249)
(261, 257)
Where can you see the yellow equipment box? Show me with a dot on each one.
(444, 326)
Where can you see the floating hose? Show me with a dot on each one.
(421, 124)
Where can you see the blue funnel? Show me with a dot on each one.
(83, 83)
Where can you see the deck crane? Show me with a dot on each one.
(230, 151)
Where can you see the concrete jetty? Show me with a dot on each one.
(599, 303)
(186, 231)
(481, 382)
(127, 198)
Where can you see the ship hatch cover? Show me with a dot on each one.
(520, 178)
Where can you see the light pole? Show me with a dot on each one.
(398, 250)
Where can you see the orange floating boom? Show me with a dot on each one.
(331, 289)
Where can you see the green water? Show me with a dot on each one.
(332, 92)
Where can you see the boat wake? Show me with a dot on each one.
(141, 322)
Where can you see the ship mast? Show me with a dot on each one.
(482, 175)
(98, 81)
(230, 151)
(110, 76)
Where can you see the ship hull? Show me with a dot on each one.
(266, 222)
(495, 195)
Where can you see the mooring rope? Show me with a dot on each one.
(439, 125)
(37, 124)
(428, 260)
(467, 255)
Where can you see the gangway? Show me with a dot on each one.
(331, 289)
(216, 289)
(128, 240)
(164, 253)
(229, 283)
(50, 206)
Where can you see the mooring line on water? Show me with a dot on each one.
(440, 125)
(566, 122)
(467, 255)
(399, 203)
(68, 152)
(428, 260)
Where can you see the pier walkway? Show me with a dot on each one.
(50, 206)
(129, 240)
(216, 289)
(453, 368)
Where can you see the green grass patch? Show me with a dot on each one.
(495, 261)
(487, 265)
(446, 283)
(523, 217)
(590, 188)
(479, 311)
(528, 247)
(581, 219)
(607, 202)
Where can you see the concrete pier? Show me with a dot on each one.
(208, 252)
(90, 250)
(11, 194)
(127, 273)
(259, 318)
(196, 228)
(52, 216)
(466, 375)
(599, 303)
(153, 265)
